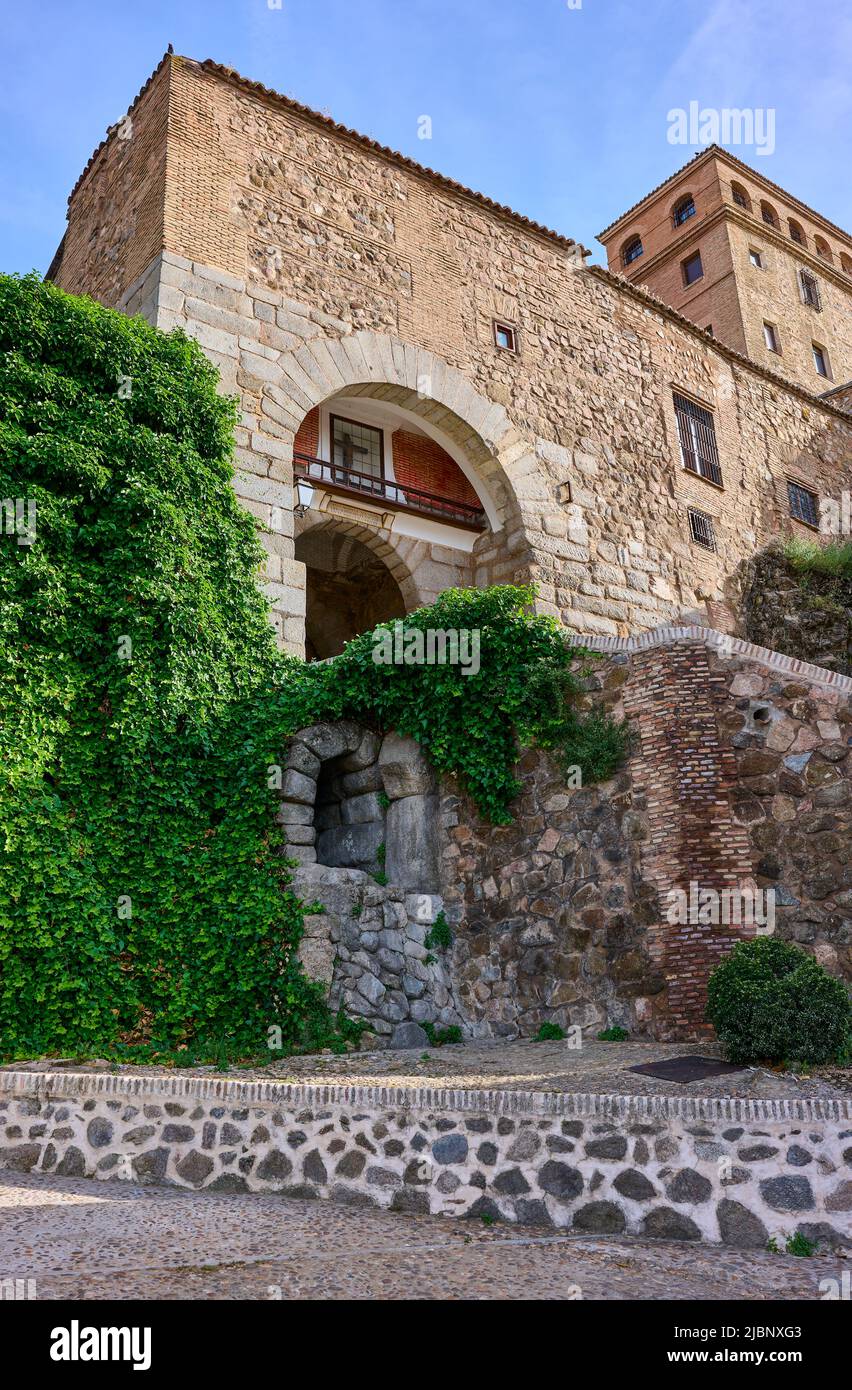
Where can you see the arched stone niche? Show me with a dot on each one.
(352, 802)
(353, 799)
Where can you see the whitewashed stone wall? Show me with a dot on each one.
(723, 1171)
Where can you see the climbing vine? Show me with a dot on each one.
(145, 907)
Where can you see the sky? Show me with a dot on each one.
(559, 108)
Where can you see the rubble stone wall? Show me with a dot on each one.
(725, 1171)
(739, 781)
(740, 778)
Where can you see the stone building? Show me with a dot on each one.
(746, 261)
(437, 391)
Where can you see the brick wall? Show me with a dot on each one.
(307, 435)
(419, 461)
(685, 775)
(735, 296)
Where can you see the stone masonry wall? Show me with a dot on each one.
(741, 777)
(739, 780)
(307, 261)
(727, 1171)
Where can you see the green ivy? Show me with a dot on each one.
(142, 901)
(143, 704)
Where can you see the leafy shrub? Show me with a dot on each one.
(614, 1034)
(439, 1037)
(549, 1032)
(439, 937)
(809, 557)
(770, 1001)
(525, 693)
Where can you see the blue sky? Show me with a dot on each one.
(560, 112)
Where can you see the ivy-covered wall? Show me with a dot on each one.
(146, 713)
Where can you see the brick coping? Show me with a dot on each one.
(67, 1085)
(666, 636)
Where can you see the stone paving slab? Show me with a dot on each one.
(595, 1069)
(85, 1240)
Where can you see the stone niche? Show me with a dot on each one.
(354, 803)
(352, 799)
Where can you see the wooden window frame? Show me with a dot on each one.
(501, 326)
(696, 256)
(802, 487)
(362, 425)
(819, 348)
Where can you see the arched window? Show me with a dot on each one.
(632, 250)
(823, 249)
(797, 232)
(683, 210)
(846, 262)
(740, 196)
(769, 215)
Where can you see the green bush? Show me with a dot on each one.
(770, 1001)
(440, 1037)
(142, 893)
(549, 1032)
(834, 558)
(614, 1034)
(143, 706)
(439, 937)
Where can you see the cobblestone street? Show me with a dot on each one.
(80, 1239)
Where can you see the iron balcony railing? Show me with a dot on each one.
(337, 477)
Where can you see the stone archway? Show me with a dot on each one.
(496, 458)
(354, 580)
(493, 452)
(360, 816)
(353, 799)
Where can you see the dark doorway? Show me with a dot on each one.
(349, 591)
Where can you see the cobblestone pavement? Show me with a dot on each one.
(82, 1239)
(596, 1068)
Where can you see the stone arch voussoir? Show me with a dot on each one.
(383, 366)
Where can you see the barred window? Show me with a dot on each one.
(632, 251)
(701, 529)
(810, 289)
(804, 504)
(697, 436)
(684, 210)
